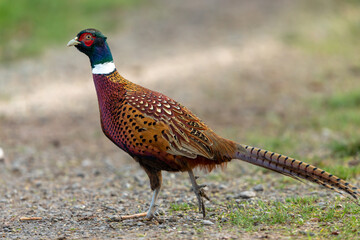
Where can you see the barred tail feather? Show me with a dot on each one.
(294, 168)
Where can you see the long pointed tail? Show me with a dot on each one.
(294, 168)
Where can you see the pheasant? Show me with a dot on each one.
(163, 135)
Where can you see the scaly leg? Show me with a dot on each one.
(199, 192)
(155, 184)
(150, 213)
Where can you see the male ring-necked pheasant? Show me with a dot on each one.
(161, 134)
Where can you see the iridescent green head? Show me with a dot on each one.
(93, 43)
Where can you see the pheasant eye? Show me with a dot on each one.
(87, 39)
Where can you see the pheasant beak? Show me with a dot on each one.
(73, 42)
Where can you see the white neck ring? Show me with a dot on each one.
(103, 68)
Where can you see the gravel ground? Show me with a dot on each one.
(60, 168)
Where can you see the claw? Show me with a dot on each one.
(199, 192)
(200, 187)
(203, 194)
(149, 217)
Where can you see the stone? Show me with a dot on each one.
(2, 155)
(246, 194)
(224, 219)
(207, 222)
(258, 188)
(307, 233)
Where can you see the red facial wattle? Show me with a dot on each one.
(87, 39)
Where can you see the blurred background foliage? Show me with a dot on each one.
(329, 32)
(28, 27)
(327, 27)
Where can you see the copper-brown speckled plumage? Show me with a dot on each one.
(155, 129)
(161, 134)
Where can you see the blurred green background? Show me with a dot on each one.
(28, 27)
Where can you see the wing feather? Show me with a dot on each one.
(187, 135)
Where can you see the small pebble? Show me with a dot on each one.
(96, 172)
(16, 167)
(307, 233)
(7, 229)
(112, 218)
(80, 206)
(86, 214)
(246, 194)
(229, 196)
(80, 174)
(323, 194)
(224, 219)
(86, 163)
(75, 186)
(322, 205)
(207, 222)
(2, 155)
(258, 188)
(213, 214)
(241, 206)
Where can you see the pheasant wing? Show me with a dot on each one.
(186, 134)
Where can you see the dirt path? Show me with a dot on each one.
(217, 57)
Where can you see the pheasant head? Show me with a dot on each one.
(93, 43)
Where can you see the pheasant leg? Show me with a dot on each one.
(150, 213)
(199, 192)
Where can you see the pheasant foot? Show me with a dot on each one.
(199, 192)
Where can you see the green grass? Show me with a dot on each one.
(28, 27)
(294, 215)
(174, 207)
(339, 114)
(345, 148)
(348, 100)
